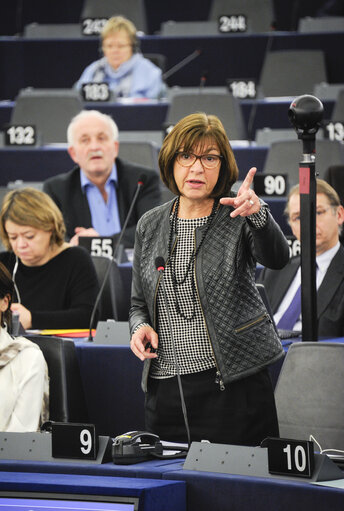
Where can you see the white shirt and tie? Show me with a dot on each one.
(323, 261)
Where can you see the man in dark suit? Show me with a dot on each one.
(95, 196)
(281, 285)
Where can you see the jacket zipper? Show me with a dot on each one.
(218, 376)
(265, 315)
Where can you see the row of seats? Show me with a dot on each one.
(50, 110)
(284, 73)
(259, 17)
(75, 54)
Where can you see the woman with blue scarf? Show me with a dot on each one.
(127, 72)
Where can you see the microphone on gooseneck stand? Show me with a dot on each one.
(181, 64)
(160, 266)
(203, 80)
(140, 183)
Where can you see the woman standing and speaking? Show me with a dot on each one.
(212, 332)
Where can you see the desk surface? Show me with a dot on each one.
(113, 373)
(151, 492)
(205, 490)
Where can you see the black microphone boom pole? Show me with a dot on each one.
(306, 113)
(181, 64)
(112, 259)
(140, 184)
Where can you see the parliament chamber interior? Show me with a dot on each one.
(246, 62)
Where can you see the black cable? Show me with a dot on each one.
(160, 266)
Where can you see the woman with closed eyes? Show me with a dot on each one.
(55, 284)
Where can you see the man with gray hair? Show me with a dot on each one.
(283, 286)
(95, 196)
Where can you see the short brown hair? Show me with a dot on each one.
(198, 129)
(117, 24)
(322, 187)
(29, 206)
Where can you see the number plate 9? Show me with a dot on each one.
(77, 441)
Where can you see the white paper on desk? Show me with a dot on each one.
(178, 445)
(338, 483)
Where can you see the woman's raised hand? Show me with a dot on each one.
(246, 202)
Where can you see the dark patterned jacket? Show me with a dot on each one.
(240, 330)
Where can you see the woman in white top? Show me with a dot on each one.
(24, 383)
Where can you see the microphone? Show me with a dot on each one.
(160, 266)
(182, 63)
(140, 183)
(204, 78)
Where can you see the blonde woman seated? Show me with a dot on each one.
(24, 402)
(127, 72)
(55, 284)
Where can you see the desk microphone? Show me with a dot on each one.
(160, 266)
(203, 80)
(140, 183)
(182, 63)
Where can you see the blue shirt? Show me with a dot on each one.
(104, 215)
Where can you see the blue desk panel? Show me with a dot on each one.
(208, 491)
(153, 469)
(205, 490)
(111, 377)
(154, 495)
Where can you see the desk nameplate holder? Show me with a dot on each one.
(37, 446)
(250, 461)
(112, 332)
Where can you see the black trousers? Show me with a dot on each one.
(242, 414)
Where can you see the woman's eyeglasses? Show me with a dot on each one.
(208, 161)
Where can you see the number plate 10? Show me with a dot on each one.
(78, 441)
(290, 457)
